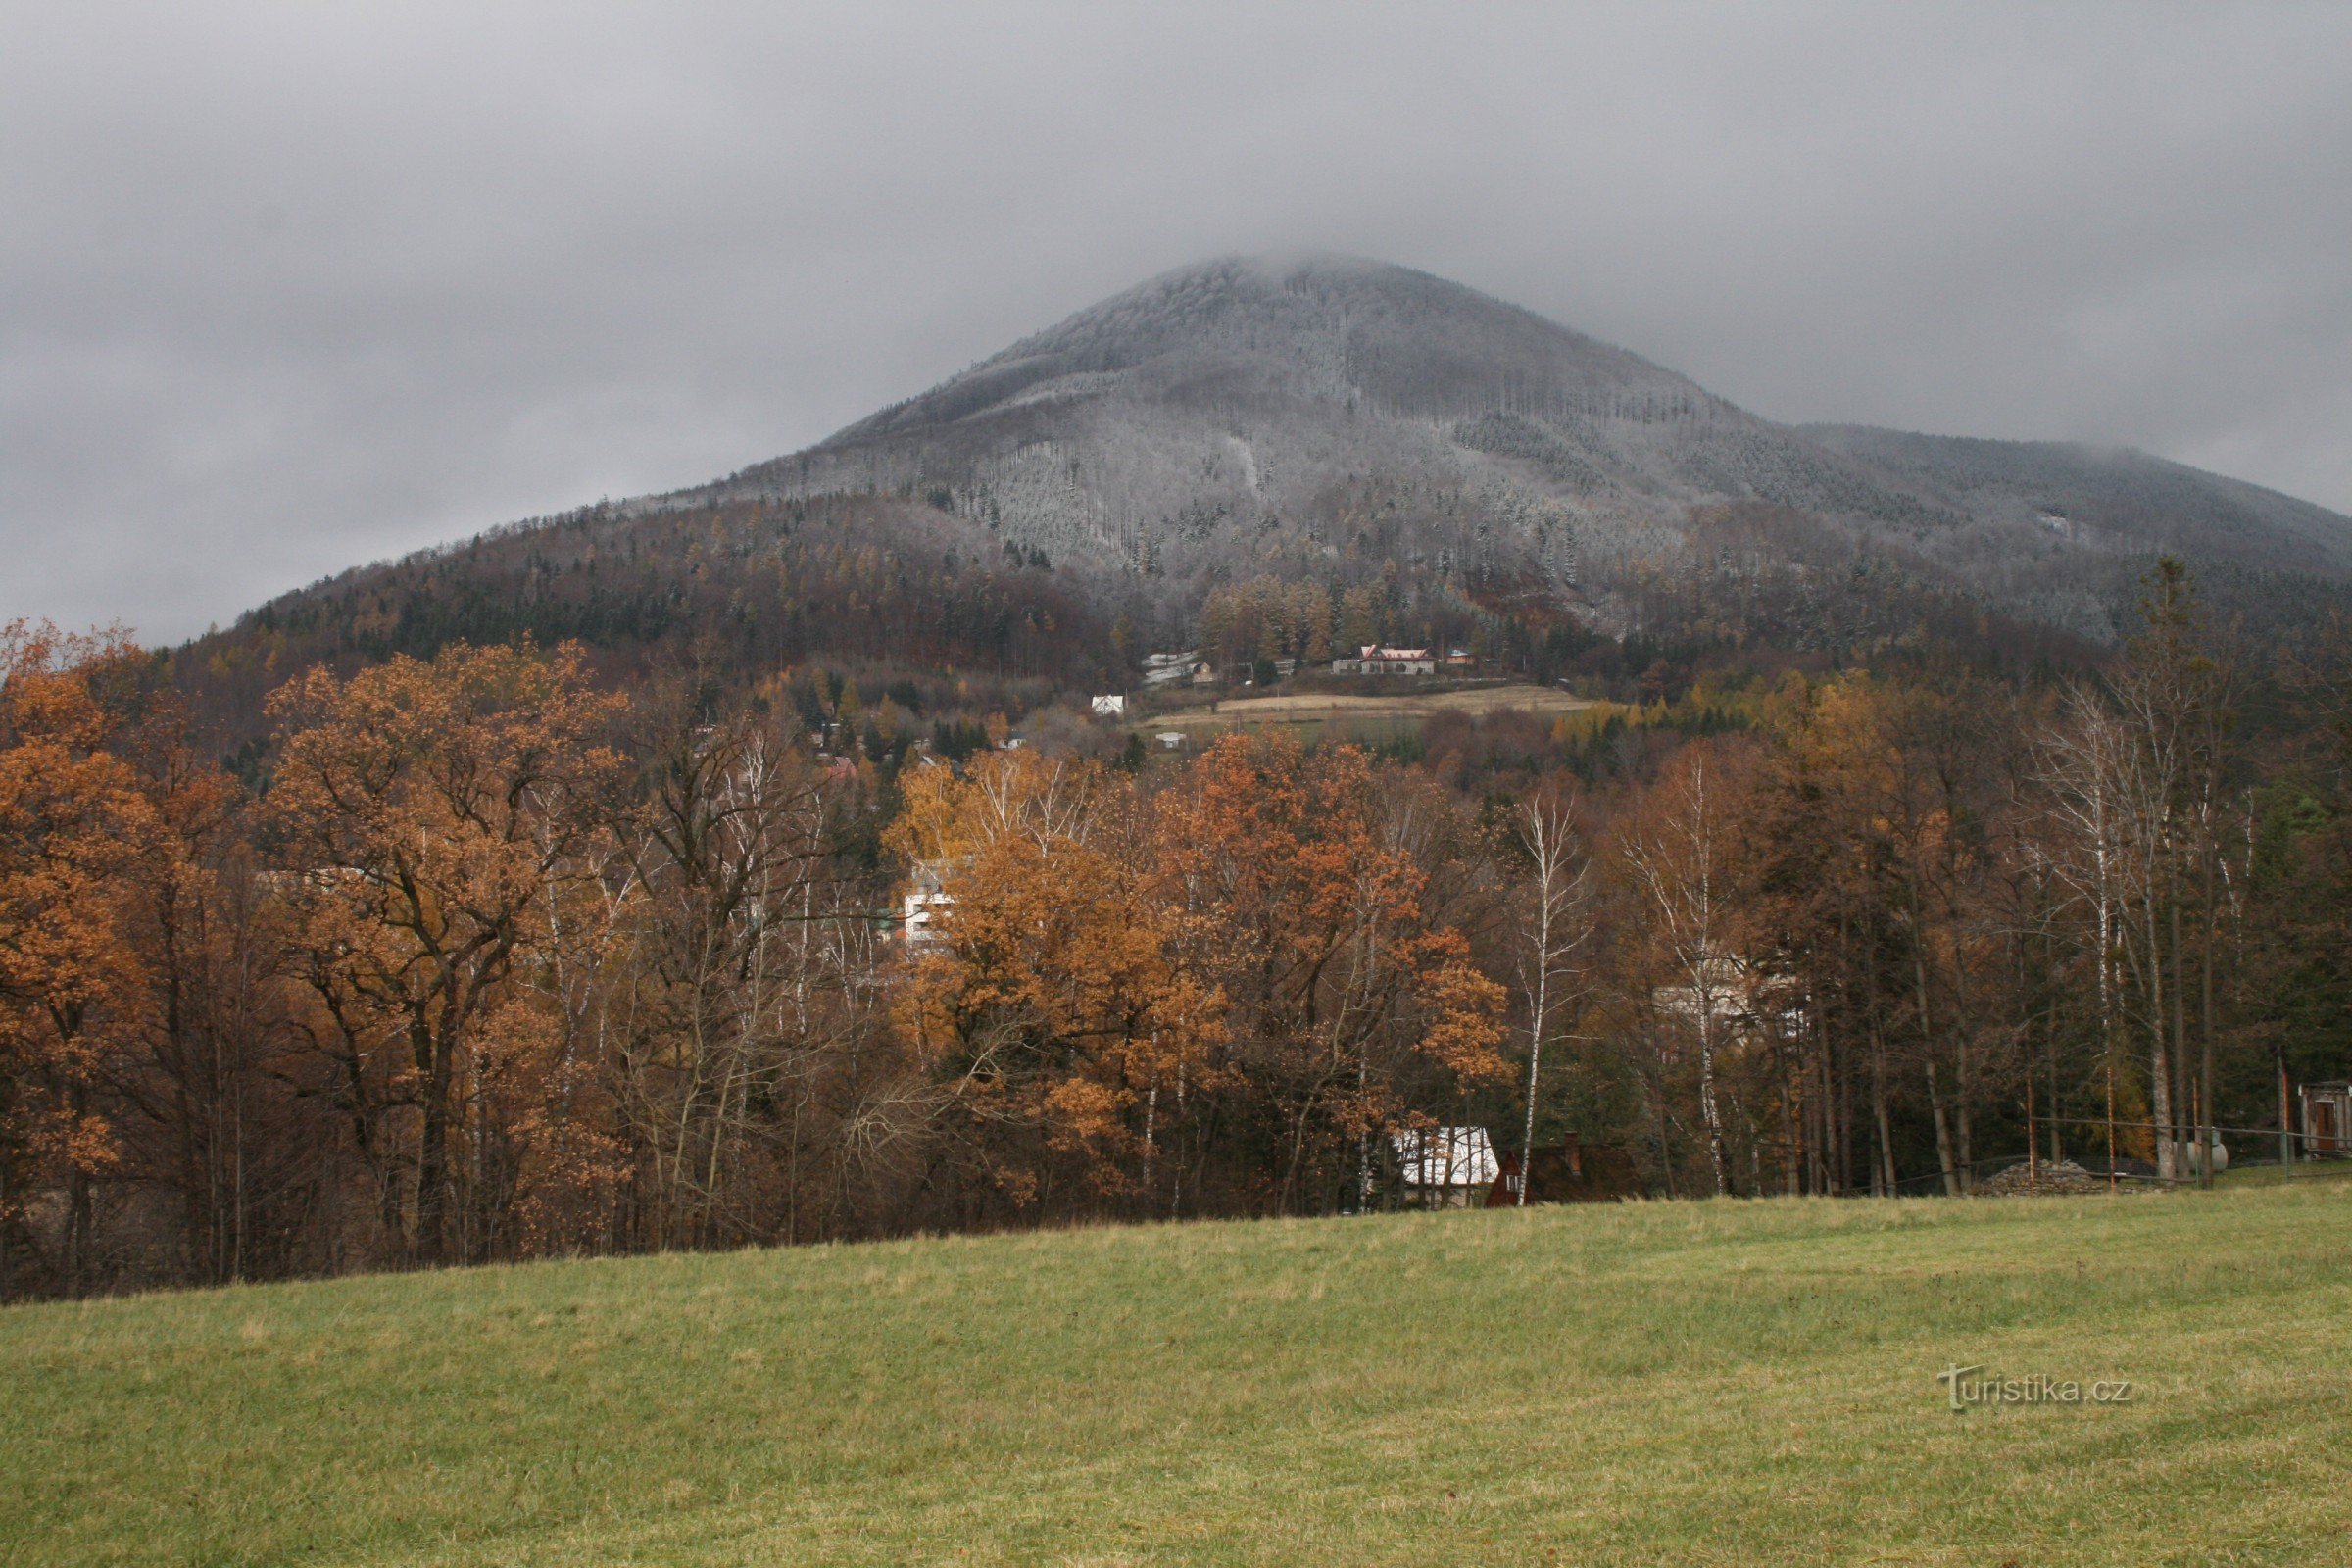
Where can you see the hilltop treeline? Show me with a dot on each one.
(894, 585)
(747, 587)
(491, 961)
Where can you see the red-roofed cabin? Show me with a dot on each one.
(1566, 1173)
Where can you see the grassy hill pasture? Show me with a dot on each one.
(1722, 1382)
(1342, 715)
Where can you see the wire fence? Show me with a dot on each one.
(2118, 1168)
(2151, 1126)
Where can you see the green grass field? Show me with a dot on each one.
(1658, 1382)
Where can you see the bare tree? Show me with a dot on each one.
(1556, 929)
(1676, 854)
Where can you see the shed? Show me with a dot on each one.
(2327, 1118)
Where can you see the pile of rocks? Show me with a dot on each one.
(2048, 1178)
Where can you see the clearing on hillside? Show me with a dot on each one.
(1727, 1382)
(1367, 717)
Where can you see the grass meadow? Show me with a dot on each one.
(1729, 1382)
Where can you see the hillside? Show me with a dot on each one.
(1483, 473)
(1731, 1383)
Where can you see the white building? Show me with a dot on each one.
(1112, 707)
(1167, 669)
(1445, 1167)
(925, 902)
(1744, 1002)
(1372, 661)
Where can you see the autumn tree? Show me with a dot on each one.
(74, 826)
(1055, 1007)
(431, 813)
(210, 1108)
(1344, 990)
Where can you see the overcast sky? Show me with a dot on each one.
(285, 288)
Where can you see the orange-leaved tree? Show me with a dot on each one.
(1054, 1004)
(436, 816)
(1296, 899)
(72, 828)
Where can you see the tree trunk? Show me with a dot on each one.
(1943, 1134)
(1707, 1106)
(432, 1152)
(1882, 1166)
(2160, 1070)
(2207, 1136)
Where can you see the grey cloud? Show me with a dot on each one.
(288, 287)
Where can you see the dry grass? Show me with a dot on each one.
(1729, 1383)
(1339, 712)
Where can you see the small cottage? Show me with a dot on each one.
(1444, 1167)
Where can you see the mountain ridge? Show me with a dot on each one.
(1238, 396)
(1339, 426)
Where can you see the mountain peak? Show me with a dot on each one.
(1330, 327)
(1303, 415)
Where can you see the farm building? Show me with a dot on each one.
(1444, 1167)
(2327, 1118)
